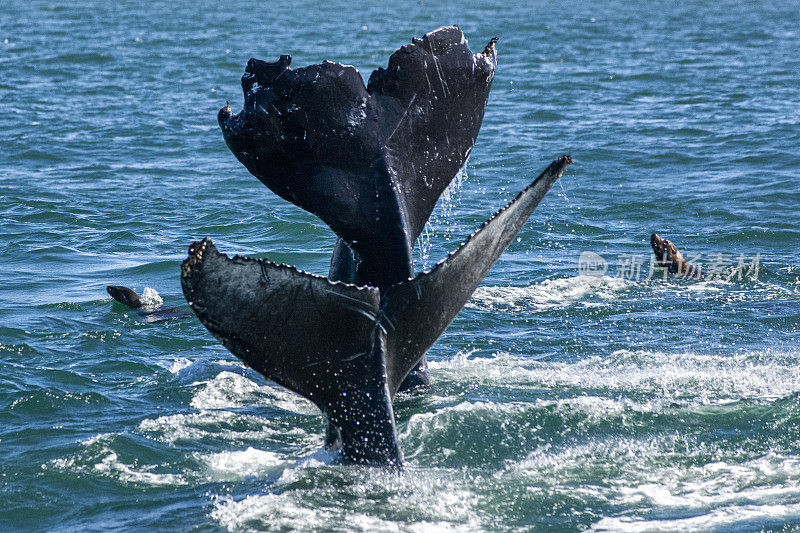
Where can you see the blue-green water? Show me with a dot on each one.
(561, 402)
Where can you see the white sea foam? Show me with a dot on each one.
(239, 464)
(665, 483)
(112, 466)
(587, 291)
(684, 377)
(723, 494)
(735, 518)
(179, 364)
(196, 372)
(226, 390)
(230, 390)
(99, 458)
(281, 513)
(150, 298)
(415, 501)
(219, 425)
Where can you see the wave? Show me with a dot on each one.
(239, 464)
(665, 483)
(587, 291)
(686, 378)
(102, 456)
(230, 390)
(220, 427)
(150, 298)
(314, 499)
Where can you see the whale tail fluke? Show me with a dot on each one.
(346, 348)
(314, 337)
(419, 310)
(371, 162)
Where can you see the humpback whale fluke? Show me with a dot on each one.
(347, 348)
(372, 161)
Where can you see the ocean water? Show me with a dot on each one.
(562, 401)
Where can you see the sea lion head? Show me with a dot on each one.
(124, 295)
(667, 254)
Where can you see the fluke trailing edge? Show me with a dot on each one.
(371, 162)
(344, 347)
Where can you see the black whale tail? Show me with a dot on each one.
(346, 348)
(416, 312)
(316, 338)
(405, 136)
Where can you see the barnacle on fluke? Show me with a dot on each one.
(371, 162)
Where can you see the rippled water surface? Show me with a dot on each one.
(561, 401)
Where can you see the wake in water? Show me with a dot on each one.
(586, 291)
(635, 431)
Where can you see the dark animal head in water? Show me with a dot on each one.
(668, 256)
(124, 295)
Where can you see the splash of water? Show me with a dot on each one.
(448, 202)
(150, 298)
